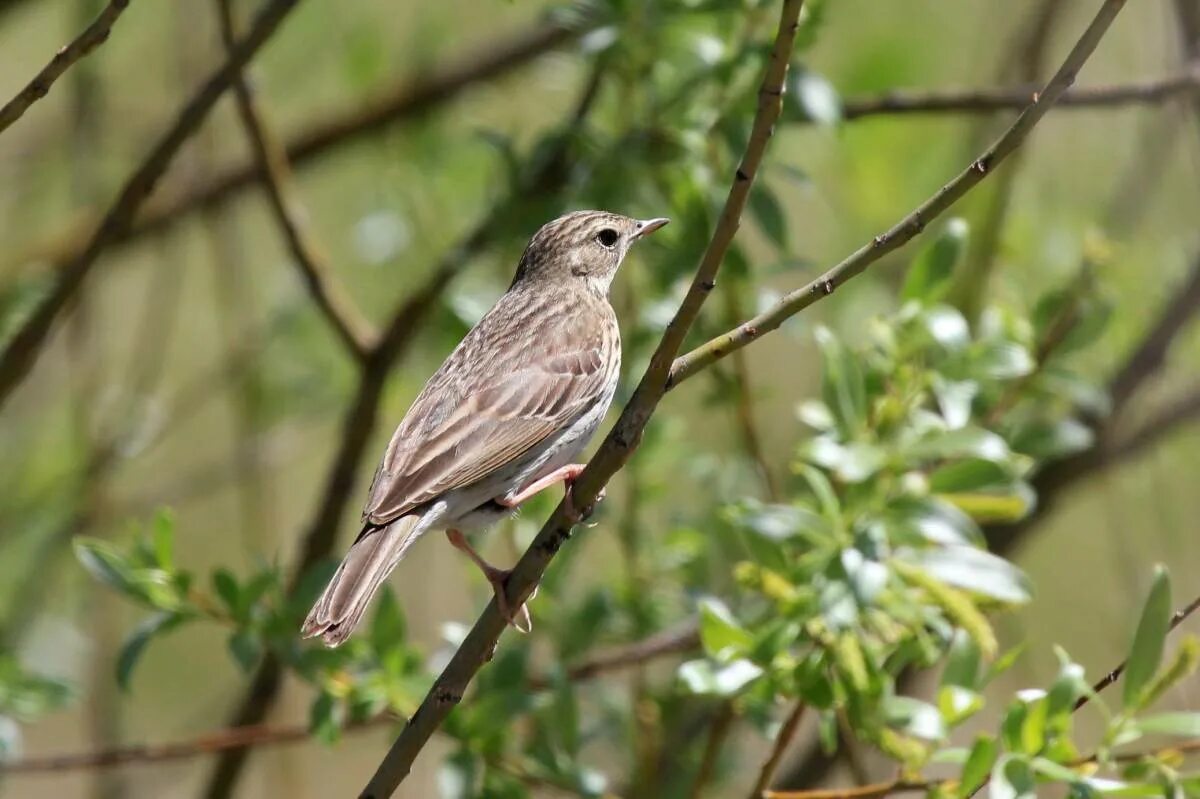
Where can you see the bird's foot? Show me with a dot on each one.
(519, 620)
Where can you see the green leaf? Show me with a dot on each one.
(325, 718)
(225, 586)
(811, 98)
(971, 474)
(104, 562)
(1002, 360)
(1146, 651)
(164, 540)
(388, 627)
(701, 678)
(975, 571)
(768, 212)
(135, 644)
(929, 277)
(965, 442)
(246, 649)
(1185, 724)
(720, 633)
(962, 662)
(1012, 778)
(979, 763)
(914, 717)
(1048, 440)
(842, 385)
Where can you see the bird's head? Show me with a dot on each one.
(585, 246)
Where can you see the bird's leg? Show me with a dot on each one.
(565, 475)
(497, 578)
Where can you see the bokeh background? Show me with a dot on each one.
(195, 373)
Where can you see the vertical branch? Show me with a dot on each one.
(334, 304)
(718, 731)
(23, 349)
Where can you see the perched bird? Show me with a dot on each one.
(503, 418)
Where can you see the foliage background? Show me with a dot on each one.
(243, 471)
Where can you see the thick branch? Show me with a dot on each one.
(95, 35)
(912, 224)
(272, 162)
(787, 731)
(616, 449)
(21, 352)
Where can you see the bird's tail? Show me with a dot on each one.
(368, 563)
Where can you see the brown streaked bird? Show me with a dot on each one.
(503, 418)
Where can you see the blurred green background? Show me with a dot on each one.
(198, 344)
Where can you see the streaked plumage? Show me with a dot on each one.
(517, 400)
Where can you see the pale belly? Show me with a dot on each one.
(473, 507)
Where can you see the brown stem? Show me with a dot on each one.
(718, 731)
(91, 38)
(912, 224)
(22, 350)
(477, 648)
(766, 772)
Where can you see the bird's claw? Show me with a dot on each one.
(520, 620)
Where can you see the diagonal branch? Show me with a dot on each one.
(912, 224)
(95, 35)
(1151, 353)
(683, 638)
(413, 98)
(410, 98)
(545, 178)
(271, 160)
(476, 649)
(20, 353)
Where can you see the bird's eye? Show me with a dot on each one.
(608, 237)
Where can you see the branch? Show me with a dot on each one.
(272, 162)
(1150, 355)
(21, 352)
(415, 98)
(1016, 98)
(890, 787)
(767, 772)
(476, 649)
(718, 730)
(912, 224)
(683, 638)
(545, 179)
(86, 42)
(1181, 410)
(410, 98)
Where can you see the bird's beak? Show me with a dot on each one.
(647, 226)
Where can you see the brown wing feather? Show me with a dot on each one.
(524, 372)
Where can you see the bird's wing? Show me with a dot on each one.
(519, 376)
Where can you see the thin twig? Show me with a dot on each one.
(766, 773)
(1015, 98)
(683, 638)
(411, 98)
(334, 303)
(95, 35)
(912, 224)
(414, 98)
(476, 649)
(20, 353)
(718, 731)
(1150, 355)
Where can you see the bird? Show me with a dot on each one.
(503, 418)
